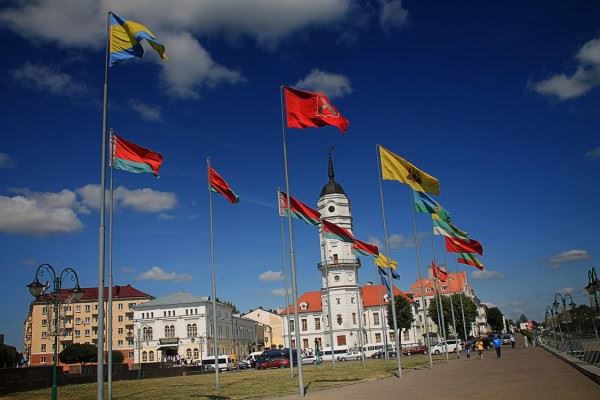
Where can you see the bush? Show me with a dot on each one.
(79, 353)
(117, 357)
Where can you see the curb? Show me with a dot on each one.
(589, 370)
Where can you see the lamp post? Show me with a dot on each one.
(139, 349)
(550, 312)
(555, 311)
(563, 299)
(592, 288)
(36, 289)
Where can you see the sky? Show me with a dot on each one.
(498, 100)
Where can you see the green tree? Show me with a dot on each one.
(468, 305)
(404, 315)
(523, 318)
(8, 356)
(117, 357)
(582, 318)
(78, 353)
(495, 319)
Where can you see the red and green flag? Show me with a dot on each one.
(298, 209)
(365, 249)
(130, 157)
(219, 185)
(470, 259)
(439, 273)
(457, 245)
(333, 231)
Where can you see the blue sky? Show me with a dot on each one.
(498, 101)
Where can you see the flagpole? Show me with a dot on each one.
(329, 316)
(462, 308)
(213, 280)
(360, 316)
(292, 255)
(389, 271)
(425, 316)
(109, 327)
(451, 304)
(383, 325)
(101, 238)
(440, 303)
(287, 295)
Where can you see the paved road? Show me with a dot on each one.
(530, 373)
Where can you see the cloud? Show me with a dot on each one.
(128, 270)
(159, 274)
(567, 290)
(397, 240)
(165, 217)
(141, 200)
(487, 274)
(6, 161)
(568, 256)
(30, 262)
(279, 292)
(392, 14)
(146, 111)
(590, 154)
(333, 85)
(569, 86)
(271, 276)
(43, 78)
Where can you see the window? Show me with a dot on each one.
(44, 322)
(354, 318)
(120, 306)
(192, 330)
(336, 278)
(130, 343)
(339, 319)
(148, 333)
(337, 300)
(43, 360)
(196, 354)
(77, 321)
(87, 332)
(87, 320)
(43, 348)
(291, 325)
(144, 356)
(43, 335)
(406, 335)
(78, 308)
(65, 308)
(317, 324)
(164, 313)
(88, 308)
(96, 307)
(131, 305)
(195, 311)
(293, 343)
(45, 310)
(152, 314)
(427, 290)
(120, 318)
(352, 300)
(304, 325)
(170, 331)
(188, 352)
(364, 319)
(392, 338)
(444, 287)
(119, 343)
(186, 313)
(77, 333)
(130, 354)
(335, 258)
(376, 318)
(120, 331)
(151, 355)
(305, 343)
(378, 337)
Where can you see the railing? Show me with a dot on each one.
(337, 263)
(587, 350)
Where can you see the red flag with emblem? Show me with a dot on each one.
(311, 110)
(439, 273)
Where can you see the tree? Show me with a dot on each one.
(8, 356)
(523, 318)
(468, 305)
(117, 357)
(78, 353)
(404, 315)
(495, 319)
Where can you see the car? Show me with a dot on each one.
(381, 354)
(308, 360)
(506, 339)
(351, 355)
(273, 362)
(440, 347)
(419, 349)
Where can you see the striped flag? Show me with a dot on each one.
(128, 156)
(333, 231)
(365, 249)
(470, 259)
(299, 210)
(219, 185)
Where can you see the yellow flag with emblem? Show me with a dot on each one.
(396, 168)
(384, 262)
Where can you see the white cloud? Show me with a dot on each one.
(591, 154)
(397, 240)
(568, 256)
(333, 85)
(165, 217)
(141, 200)
(271, 276)
(392, 14)
(159, 274)
(43, 78)
(567, 290)
(146, 111)
(279, 292)
(585, 78)
(6, 161)
(487, 274)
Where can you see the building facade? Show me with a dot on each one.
(272, 325)
(78, 323)
(180, 326)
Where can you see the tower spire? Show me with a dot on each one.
(332, 187)
(330, 171)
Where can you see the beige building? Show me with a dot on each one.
(78, 323)
(272, 324)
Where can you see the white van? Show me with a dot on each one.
(440, 347)
(337, 350)
(371, 349)
(225, 363)
(251, 359)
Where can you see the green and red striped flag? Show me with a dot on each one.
(333, 231)
(456, 245)
(365, 249)
(299, 210)
(130, 157)
(219, 185)
(470, 259)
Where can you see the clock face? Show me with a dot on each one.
(331, 209)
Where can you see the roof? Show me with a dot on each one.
(91, 294)
(174, 299)
(372, 295)
(332, 187)
(456, 283)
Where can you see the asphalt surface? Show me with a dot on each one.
(523, 373)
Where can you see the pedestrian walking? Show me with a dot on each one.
(512, 341)
(479, 348)
(467, 349)
(497, 345)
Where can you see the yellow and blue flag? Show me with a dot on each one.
(125, 38)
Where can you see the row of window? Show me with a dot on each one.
(317, 324)
(87, 307)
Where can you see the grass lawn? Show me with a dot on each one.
(234, 385)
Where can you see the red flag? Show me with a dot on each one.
(439, 273)
(311, 110)
(299, 210)
(334, 231)
(456, 245)
(219, 185)
(130, 157)
(364, 248)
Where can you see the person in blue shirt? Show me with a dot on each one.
(498, 346)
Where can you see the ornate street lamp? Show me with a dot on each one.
(36, 289)
(592, 288)
(550, 312)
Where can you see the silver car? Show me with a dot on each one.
(351, 355)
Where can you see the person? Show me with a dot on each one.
(512, 341)
(497, 345)
(467, 349)
(479, 348)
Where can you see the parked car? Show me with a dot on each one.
(415, 350)
(440, 347)
(273, 362)
(308, 360)
(351, 355)
(381, 354)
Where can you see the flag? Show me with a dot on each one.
(470, 259)
(365, 249)
(441, 227)
(299, 209)
(383, 277)
(396, 168)
(439, 273)
(456, 245)
(130, 157)
(219, 185)
(311, 110)
(424, 203)
(385, 262)
(395, 275)
(125, 37)
(333, 231)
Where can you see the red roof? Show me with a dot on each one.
(312, 299)
(455, 284)
(90, 294)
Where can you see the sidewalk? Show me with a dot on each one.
(529, 373)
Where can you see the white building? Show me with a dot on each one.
(340, 290)
(182, 324)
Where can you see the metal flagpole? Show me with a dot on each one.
(451, 304)
(292, 255)
(389, 267)
(284, 267)
(440, 307)
(101, 244)
(360, 316)
(425, 319)
(462, 309)
(329, 316)
(109, 320)
(213, 280)
(383, 325)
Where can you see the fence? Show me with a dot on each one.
(587, 350)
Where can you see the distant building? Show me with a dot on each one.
(78, 323)
(272, 326)
(180, 325)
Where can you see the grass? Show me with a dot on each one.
(248, 384)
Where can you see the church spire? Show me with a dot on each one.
(332, 186)
(330, 171)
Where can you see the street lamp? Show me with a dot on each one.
(563, 299)
(550, 311)
(593, 287)
(36, 288)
